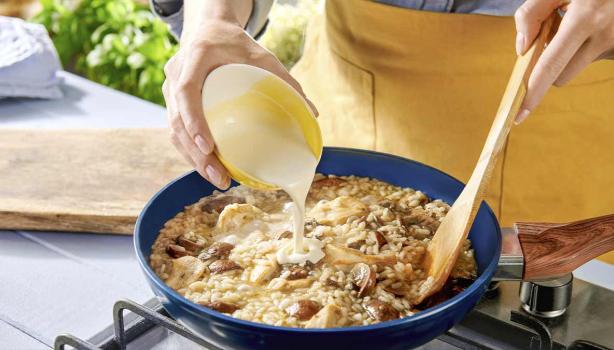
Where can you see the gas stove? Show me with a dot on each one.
(559, 314)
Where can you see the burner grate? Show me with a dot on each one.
(527, 333)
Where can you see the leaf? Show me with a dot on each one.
(115, 42)
(136, 60)
(94, 58)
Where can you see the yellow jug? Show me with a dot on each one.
(231, 88)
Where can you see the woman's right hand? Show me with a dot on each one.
(214, 38)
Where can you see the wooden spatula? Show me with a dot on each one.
(448, 240)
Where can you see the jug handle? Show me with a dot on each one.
(553, 250)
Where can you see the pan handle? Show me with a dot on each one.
(553, 250)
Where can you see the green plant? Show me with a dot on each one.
(285, 35)
(117, 43)
(121, 44)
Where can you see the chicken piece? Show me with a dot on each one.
(234, 216)
(264, 270)
(338, 255)
(337, 211)
(184, 271)
(327, 317)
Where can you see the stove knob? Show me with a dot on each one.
(546, 299)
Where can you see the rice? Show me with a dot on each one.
(220, 252)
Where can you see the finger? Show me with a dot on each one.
(189, 98)
(179, 147)
(588, 52)
(313, 108)
(207, 165)
(171, 113)
(553, 60)
(216, 172)
(529, 18)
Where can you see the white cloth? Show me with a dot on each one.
(29, 64)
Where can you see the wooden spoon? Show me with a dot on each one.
(447, 242)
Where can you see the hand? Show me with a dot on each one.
(209, 42)
(586, 34)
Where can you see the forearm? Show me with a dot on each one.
(196, 11)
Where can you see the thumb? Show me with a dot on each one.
(529, 18)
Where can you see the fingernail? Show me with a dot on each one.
(203, 145)
(313, 108)
(214, 176)
(522, 116)
(519, 43)
(226, 183)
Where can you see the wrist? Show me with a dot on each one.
(233, 12)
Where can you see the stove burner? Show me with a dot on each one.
(495, 323)
(546, 299)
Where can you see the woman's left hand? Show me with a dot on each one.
(586, 34)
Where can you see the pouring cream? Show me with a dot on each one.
(255, 134)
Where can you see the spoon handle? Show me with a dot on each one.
(509, 107)
(553, 250)
(448, 239)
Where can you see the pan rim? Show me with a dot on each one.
(198, 310)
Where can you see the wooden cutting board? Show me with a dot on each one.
(82, 180)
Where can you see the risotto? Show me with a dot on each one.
(221, 253)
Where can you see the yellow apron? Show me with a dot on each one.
(426, 86)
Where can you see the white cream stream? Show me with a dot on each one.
(255, 134)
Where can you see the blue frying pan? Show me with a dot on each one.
(231, 333)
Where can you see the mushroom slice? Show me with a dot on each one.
(328, 182)
(338, 255)
(219, 250)
(303, 309)
(381, 239)
(297, 272)
(176, 251)
(363, 277)
(381, 311)
(331, 283)
(356, 244)
(223, 265)
(189, 244)
(420, 217)
(264, 270)
(219, 306)
(217, 204)
(337, 211)
(184, 271)
(401, 291)
(234, 216)
(283, 235)
(327, 317)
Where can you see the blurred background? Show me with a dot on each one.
(121, 44)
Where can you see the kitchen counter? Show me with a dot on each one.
(56, 283)
(67, 282)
